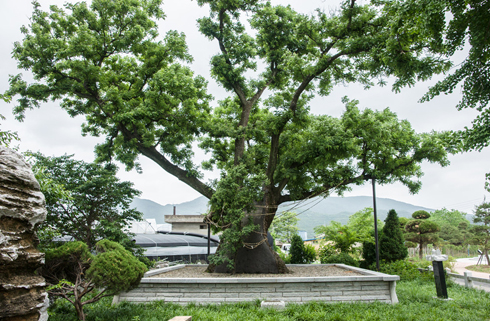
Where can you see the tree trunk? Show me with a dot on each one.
(257, 256)
(79, 309)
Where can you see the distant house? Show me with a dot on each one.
(187, 223)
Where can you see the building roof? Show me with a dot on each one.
(174, 239)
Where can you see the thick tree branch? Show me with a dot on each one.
(176, 171)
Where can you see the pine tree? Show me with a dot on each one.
(391, 242)
(421, 231)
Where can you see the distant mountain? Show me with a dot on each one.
(311, 213)
(154, 210)
(321, 211)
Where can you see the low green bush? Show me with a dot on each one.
(326, 250)
(309, 254)
(342, 258)
(404, 269)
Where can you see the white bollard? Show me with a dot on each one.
(467, 281)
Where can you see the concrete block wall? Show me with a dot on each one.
(367, 288)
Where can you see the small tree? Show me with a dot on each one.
(85, 200)
(342, 236)
(391, 241)
(74, 273)
(421, 230)
(482, 230)
(301, 254)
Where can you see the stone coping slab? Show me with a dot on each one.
(367, 275)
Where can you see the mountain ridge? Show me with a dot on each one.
(311, 213)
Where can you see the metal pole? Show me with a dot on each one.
(209, 241)
(375, 225)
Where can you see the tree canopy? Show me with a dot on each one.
(88, 202)
(106, 62)
(468, 28)
(421, 230)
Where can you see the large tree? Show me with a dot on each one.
(106, 62)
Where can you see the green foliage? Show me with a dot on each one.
(391, 241)
(299, 253)
(406, 270)
(368, 254)
(85, 200)
(468, 29)
(329, 254)
(103, 273)
(74, 274)
(420, 215)
(284, 226)
(286, 258)
(481, 231)
(451, 217)
(7, 136)
(362, 223)
(342, 258)
(309, 254)
(342, 236)
(297, 249)
(234, 197)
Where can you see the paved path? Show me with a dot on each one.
(459, 268)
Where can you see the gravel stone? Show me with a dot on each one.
(313, 270)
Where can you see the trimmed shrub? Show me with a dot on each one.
(405, 270)
(342, 258)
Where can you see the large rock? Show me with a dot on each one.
(22, 207)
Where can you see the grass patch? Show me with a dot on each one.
(478, 268)
(416, 303)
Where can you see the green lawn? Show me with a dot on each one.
(416, 303)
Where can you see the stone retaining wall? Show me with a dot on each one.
(369, 287)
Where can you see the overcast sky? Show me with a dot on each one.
(51, 131)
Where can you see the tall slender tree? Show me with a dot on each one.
(481, 231)
(391, 243)
(106, 62)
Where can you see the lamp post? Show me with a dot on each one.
(375, 225)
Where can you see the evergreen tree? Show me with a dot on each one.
(297, 250)
(421, 231)
(75, 274)
(391, 241)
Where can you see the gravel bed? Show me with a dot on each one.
(197, 271)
